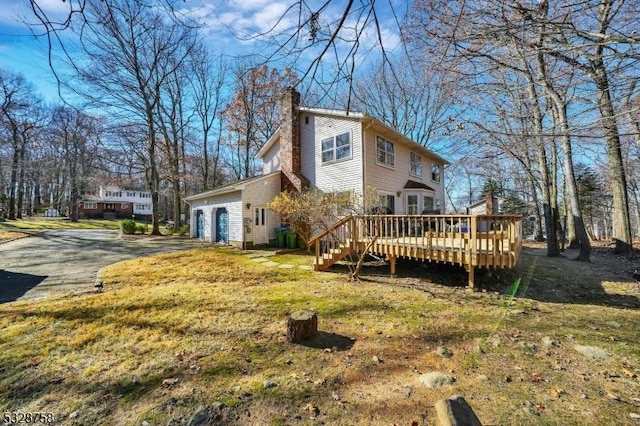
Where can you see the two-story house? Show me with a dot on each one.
(116, 203)
(331, 150)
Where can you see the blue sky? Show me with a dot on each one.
(227, 26)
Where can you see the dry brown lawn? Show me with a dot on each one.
(206, 328)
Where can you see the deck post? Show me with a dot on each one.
(392, 265)
(474, 242)
(472, 278)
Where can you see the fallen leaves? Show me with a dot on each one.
(312, 409)
(557, 392)
(609, 394)
(170, 381)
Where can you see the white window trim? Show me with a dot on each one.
(440, 168)
(411, 154)
(335, 149)
(406, 200)
(385, 164)
(90, 205)
(389, 194)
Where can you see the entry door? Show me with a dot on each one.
(260, 227)
(222, 226)
(200, 225)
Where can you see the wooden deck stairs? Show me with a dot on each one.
(483, 241)
(328, 259)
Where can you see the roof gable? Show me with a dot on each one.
(238, 185)
(353, 115)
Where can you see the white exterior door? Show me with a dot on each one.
(260, 225)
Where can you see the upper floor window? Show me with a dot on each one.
(416, 164)
(435, 172)
(336, 148)
(385, 152)
(131, 194)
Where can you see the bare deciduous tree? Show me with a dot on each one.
(132, 52)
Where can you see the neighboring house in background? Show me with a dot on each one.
(331, 150)
(490, 204)
(116, 203)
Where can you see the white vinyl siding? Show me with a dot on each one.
(343, 175)
(271, 159)
(392, 181)
(232, 202)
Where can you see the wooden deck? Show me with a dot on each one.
(488, 241)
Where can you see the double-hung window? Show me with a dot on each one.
(412, 204)
(435, 172)
(385, 152)
(416, 164)
(388, 203)
(336, 148)
(428, 203)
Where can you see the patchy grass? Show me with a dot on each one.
(41, 223)
(297, 258)
(11, 235)
(174, 332)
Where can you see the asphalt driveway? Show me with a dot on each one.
(64, 262)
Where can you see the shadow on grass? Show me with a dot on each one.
(545, 279)
(323, 340)
(605, 281)
(14, 285)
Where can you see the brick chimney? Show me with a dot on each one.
(290, 160)
(491, 201)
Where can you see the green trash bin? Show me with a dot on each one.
(281, 237)
(292, 239)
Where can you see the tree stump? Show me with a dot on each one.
(301, 326)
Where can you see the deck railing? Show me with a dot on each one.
(491, 241)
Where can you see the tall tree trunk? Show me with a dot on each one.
(21, 180)
(37, 193)
(13, 183)
(560, 116)
(618, 182)
(548, 206)
(153, 181)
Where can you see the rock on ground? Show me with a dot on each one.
(436, 379)
(592, 352)
(455, 411)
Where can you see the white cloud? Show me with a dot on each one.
(20, 12)
(241, 18)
